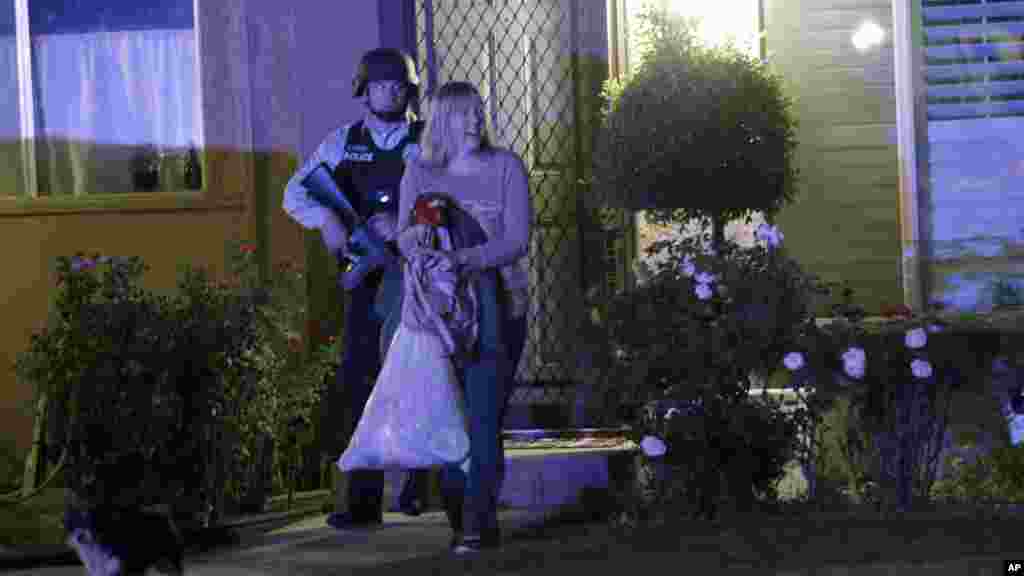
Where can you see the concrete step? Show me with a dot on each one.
(548, 478)
(549, 475)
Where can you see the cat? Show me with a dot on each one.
(124, 542)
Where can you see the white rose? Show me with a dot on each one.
(705, 278)
(769, 234)
(853, 369)
(921, 368)
(688, 268)
(653, 446)
(703, 291)
(1016, 423)
(853, 362)
(856, 354)
(794, 361)
(916, 338)
(670, 413)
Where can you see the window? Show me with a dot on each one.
(100, 97)
(960, 85)
(10, 149)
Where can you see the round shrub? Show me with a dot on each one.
(695, 132)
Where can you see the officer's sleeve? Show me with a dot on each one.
(297, 202)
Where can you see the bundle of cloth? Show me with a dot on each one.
(415, 416)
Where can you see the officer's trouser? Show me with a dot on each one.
(360, 365)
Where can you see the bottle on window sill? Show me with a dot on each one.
(146, 170)
(193, 170)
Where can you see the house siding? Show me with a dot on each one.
(844, 225)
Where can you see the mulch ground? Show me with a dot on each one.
(755, 542)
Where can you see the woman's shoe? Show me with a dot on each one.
(467, 545)
(413, 508)
(462, 545)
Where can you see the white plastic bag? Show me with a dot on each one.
(415, 417)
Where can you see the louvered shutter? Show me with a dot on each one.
(974, 58)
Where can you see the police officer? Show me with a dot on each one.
(367, 159)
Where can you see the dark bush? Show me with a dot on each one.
(695, 132)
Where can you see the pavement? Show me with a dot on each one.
(537, 480)
(309, 546)
(36, 557)
(300, 542)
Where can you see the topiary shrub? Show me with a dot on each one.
(695, 133)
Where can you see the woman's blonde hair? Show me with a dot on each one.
(438, 144)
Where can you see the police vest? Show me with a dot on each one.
(370, 176)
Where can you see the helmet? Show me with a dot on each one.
(384, 64)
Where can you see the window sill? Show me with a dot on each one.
(184, 201)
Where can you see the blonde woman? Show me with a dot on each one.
(488, 188)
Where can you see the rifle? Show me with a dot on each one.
(367, 250)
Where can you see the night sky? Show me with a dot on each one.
(83, 16)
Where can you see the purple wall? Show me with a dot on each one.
(329, 39)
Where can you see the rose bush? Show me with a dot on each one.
(132, 375)
(284, 370)
(900, 376)
(144, 382)
(689, 341)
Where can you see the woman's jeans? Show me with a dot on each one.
(471, 502)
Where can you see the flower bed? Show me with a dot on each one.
(163, 400)
(714, 319)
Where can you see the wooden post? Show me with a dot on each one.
(912, 146)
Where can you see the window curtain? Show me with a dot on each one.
(10, 150)
(104, 98)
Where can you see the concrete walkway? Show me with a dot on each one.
(311, 547)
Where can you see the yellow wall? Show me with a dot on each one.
(844, 224)
(269, 98)
(163, 240)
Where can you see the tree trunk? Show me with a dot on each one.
(717, 233)
(33, 464)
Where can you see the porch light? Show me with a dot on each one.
(868, 36)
